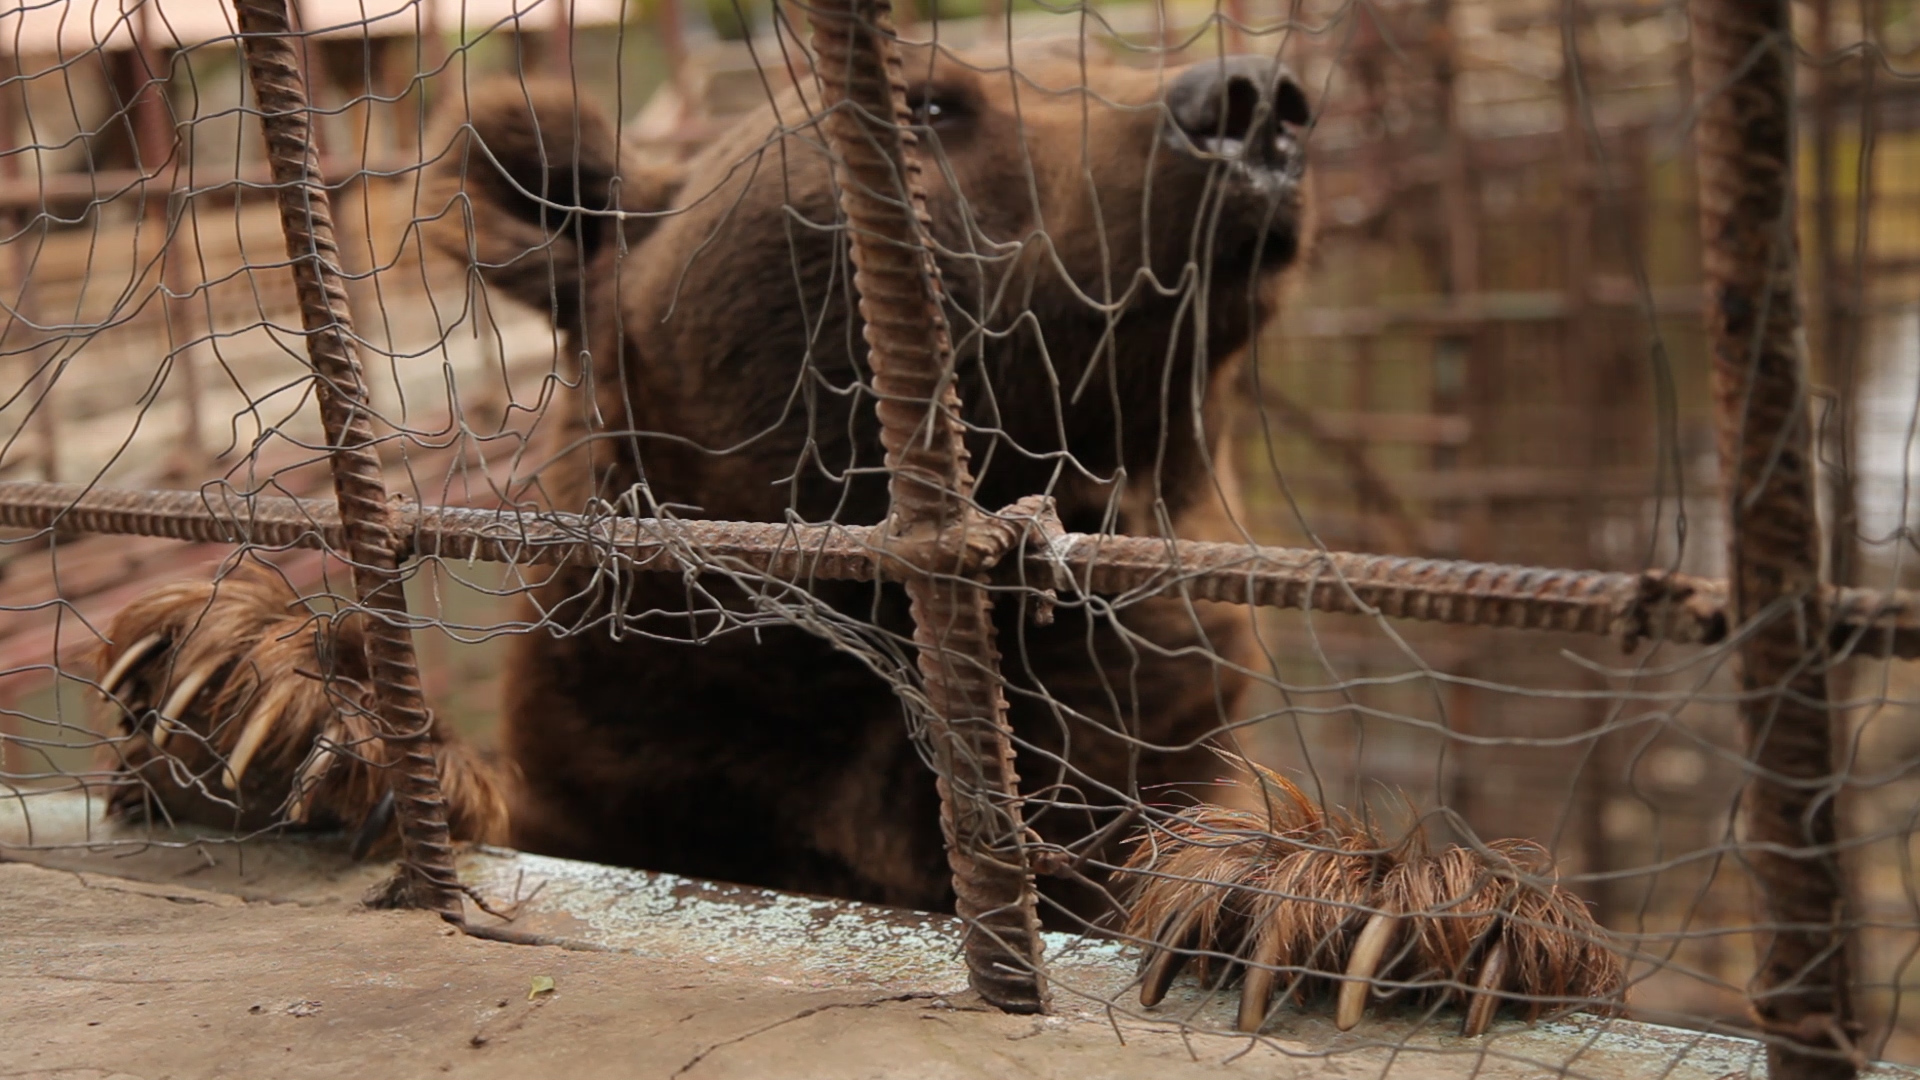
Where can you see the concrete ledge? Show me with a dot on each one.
(696, 979)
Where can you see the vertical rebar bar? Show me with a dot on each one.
(18, 336)
(670, 24)
(1839, 318)
(307, 219)
(1743, 68)
(994, 13)
(14, 267)
(1459, 196)
(560, 52)
(1585, 359)
(1234, 22)
(1460, 203)
(155, 141)
(912, 359)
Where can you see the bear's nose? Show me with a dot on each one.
(1218, 104)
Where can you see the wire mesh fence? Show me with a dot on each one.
(1258, 481)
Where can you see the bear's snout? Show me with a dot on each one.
(1241, 109)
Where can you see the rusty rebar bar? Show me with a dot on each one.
(158, 145)
(1743, 64)
(1676, 608)
(911, 356)
(306, 217)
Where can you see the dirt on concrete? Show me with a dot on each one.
(123, 958)
(109, 978)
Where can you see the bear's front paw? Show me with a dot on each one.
(1323, 906)
(241, 707)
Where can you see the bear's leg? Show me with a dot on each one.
(240, 707)
(761, 757)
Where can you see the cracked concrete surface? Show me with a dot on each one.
(109, 982)
(255, 961)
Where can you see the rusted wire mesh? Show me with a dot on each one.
(1256, 487)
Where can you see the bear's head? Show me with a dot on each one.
(1109, 237)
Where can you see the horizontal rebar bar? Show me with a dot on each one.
(1632, 607)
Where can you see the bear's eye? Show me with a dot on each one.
(931, 108)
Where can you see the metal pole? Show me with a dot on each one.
(22, 338)
(1743, 68)
(932, 514)
(306, 217)
(560, 55)
(1631, 608)
(156, 141)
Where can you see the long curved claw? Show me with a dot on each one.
(1368, 950)
(259, 723)
(1168, 960)
(1484, 1001)
(1256, 993)
(134, 654)
(177, 702)
(307, 783)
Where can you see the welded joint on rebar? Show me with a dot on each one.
(1665, 606)
(402, 523)
(975, 544)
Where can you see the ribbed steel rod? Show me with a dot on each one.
(930, 517)
(306, 217)
(1632, 607)
(1743, 61)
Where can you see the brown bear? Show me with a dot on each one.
(1111, 238)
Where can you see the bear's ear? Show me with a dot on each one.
(520, 187)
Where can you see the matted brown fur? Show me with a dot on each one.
(1104, 283)
(1280, 897)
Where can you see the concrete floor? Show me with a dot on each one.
(198, 958)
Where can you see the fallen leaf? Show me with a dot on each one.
(542, 984)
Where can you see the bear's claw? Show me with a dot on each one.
(271, 723)
(222, 724)
(133, 654)
(1322, 900)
